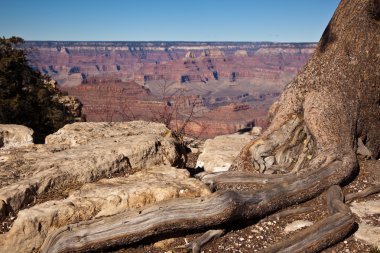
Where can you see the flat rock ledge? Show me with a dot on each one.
(219, 153)
(81, 153)
(103, 198)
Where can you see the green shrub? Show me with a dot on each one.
(25, 97)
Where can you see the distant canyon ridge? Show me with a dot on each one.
(221, 86)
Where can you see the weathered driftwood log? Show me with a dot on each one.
(313, 136)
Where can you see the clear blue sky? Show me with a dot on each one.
(175, 20)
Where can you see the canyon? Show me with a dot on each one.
(222, 86)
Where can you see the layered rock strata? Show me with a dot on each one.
(81, 153)
(103, 198)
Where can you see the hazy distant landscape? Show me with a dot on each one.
(232, 83)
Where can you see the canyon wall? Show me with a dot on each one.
(118, 81)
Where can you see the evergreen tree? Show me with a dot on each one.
(25, 96)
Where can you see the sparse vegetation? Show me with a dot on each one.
(25, 95)
(178, 110)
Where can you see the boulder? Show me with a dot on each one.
(13, 136)
(103, 198)
(81, 153)
(218, 153)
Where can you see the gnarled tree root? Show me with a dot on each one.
(324, 233)
(196, 245)
(239, 177)
(365, 193)
(198, 213)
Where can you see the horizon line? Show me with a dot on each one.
(179, 41)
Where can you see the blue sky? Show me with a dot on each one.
(160, 20)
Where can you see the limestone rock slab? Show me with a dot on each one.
(76, 134)
(219, 153)
(13, 136)
(81, 155)
(103, 198)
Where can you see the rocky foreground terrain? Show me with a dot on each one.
(133, 80)
(87, 171)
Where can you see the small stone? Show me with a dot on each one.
(298, 224)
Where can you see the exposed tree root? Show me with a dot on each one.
(214, 180)
(324, 233)
(365, 193)
(196, 245)
(188, 214)
(286, 149)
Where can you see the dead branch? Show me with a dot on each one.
(196, 245)
(362, 194)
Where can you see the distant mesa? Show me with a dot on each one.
(213, 53)
(241, 53)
